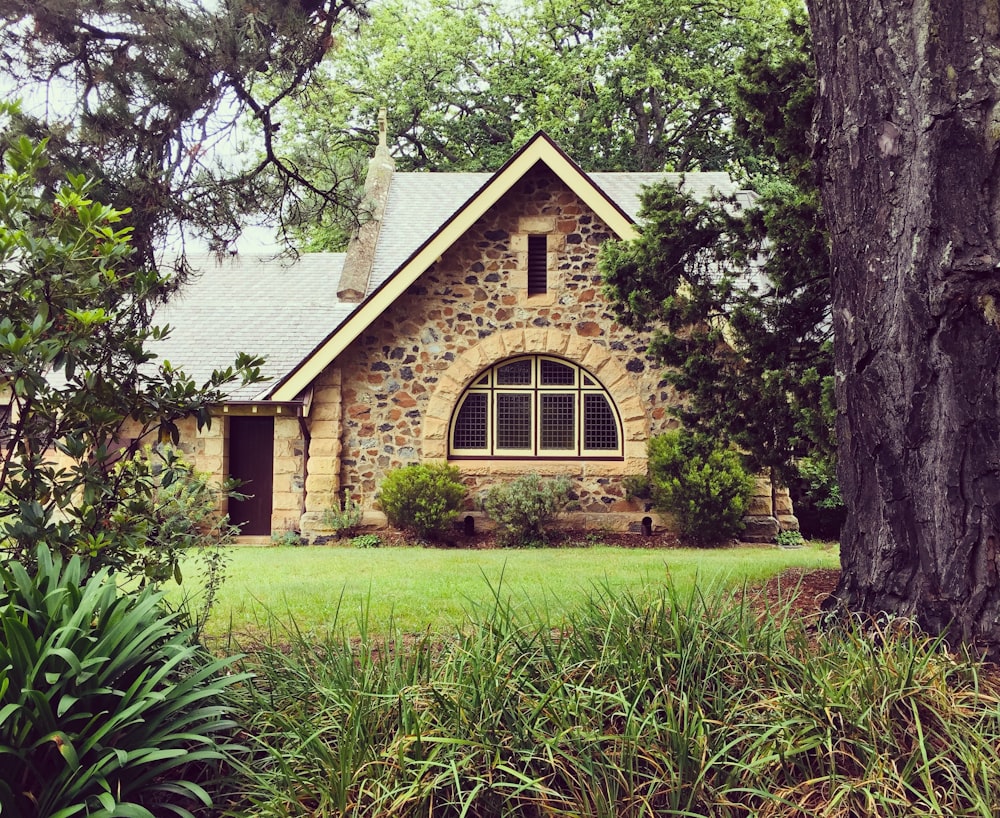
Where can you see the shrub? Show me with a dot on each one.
(343, 518)
(702, 484)
(791, 539)
(524, 507)
(637, 487)
(107, 706)
(366, 541)
(818, 503)
(171, 511)
(424, 498)
(288, 538)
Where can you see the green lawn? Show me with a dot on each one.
(416, 589)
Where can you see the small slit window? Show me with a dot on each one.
(538, 264)
(535, 406)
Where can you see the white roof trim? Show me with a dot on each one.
(539, 149)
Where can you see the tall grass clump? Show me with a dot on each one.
(696, 704)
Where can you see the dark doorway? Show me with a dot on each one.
(251, 461)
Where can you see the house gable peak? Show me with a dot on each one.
(539, 149)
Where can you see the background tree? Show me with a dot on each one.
(739, 290)
(907, 148)
(85, 393)
(635, 85)
(153, 100)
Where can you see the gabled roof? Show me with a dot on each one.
(419, 203)
(398, 264)
(280, 308)
(287, 309)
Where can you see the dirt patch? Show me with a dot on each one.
(799, 591)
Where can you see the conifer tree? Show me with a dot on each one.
(170, 107)
(738, 288)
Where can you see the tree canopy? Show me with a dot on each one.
(161, 102)
(83, 391)
(632, 86)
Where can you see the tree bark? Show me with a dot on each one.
(907, 125)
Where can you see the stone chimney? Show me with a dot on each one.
(361, 251)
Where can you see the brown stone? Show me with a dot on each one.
(588, 329)
(760, 529)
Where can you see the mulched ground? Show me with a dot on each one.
(557, 539)
(802, 591)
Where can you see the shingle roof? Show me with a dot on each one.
(419, 203)
(277, 307)
(284, 308)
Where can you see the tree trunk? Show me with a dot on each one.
(907, 124)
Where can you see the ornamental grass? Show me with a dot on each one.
(676, 704)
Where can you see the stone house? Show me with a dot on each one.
(465, 323)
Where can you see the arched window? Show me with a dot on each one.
(535, 406)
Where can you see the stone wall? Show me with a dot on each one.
(399, 382)
(289, 474)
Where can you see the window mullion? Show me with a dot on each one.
(536, 420)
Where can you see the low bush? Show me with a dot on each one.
(702, 484)
(343, 518)
(816, 493)
(289, 537)
(423, 498)
(524, 507)
(366, 541)
(107, 706)
(791, 539)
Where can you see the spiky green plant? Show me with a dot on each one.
(107, 706)
(675, 704)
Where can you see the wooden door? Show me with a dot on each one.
(251, 461)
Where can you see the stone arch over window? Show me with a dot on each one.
(535, 406)
(575, 350)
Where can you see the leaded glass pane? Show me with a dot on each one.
(558, 422)
(517, 373)
(557, 374)
(599, 428)
(513, 421)
(470, 425)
